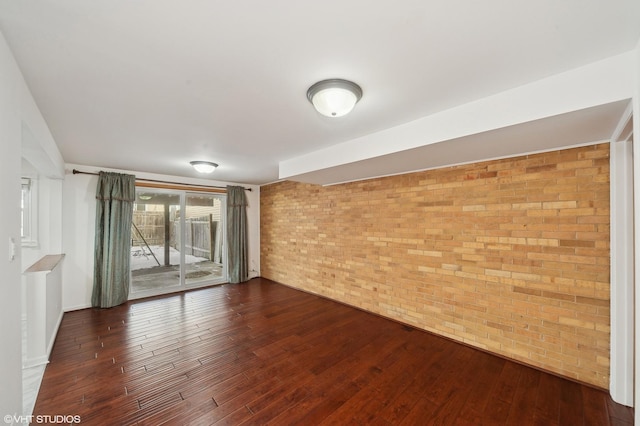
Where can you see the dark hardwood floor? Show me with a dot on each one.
(263, 353)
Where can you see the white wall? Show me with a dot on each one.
(622, 264)
(20, 122)
(10, 164)
(79, 209)
(636, 165)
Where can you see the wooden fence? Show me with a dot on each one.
(202, 236)
(151, 225)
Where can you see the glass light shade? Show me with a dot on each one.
(334, 98)
(204, 166)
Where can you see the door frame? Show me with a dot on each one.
(182, 285)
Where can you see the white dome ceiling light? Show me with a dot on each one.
(334, 97)
(204, 166)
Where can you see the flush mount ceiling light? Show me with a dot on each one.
(334, 97)
(204, 166)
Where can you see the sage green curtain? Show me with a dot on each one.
(115, 196)
(238, 262)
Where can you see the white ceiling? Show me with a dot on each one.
(150, 85)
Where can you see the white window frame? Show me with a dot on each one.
(181, 284)
(29, 209)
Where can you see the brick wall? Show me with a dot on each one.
(511, 256)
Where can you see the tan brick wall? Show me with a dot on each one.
(511, 256)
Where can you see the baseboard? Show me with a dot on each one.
(54, 334)
(76, 308)
(34, 362)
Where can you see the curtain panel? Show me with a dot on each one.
(115, 196)
(238, 261)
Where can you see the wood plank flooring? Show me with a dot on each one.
(263, 353)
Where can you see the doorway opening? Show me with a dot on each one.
(177, 241)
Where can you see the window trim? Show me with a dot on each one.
(29, 212)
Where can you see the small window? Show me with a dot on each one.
(29, 212)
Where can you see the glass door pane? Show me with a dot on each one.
(156, 254)
(203, 239)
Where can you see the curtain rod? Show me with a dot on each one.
(75, 172)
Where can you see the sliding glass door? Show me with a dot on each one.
(177, 241)
(202, 235)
